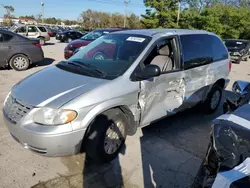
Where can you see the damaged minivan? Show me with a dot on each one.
(119, 82)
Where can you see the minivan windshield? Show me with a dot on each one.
(93, 35)
(110, 55)
(235, 44)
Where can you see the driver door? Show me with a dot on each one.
(163, 95)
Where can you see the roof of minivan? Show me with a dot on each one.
(151, 32)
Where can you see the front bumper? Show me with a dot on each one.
(50, 145)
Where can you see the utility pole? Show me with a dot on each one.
(42, 7)
(126, 2)
(179, 11)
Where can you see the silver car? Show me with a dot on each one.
(116, 84)
(32, 31)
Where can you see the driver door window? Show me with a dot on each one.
(164, 55)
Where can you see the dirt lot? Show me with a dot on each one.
(165, 154)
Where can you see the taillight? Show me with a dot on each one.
(230, 65)
(37, 44)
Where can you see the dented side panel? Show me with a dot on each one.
(160, 96)
(200, 80)
(172, 92)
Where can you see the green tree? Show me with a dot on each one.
(7, 17)
(160, 13)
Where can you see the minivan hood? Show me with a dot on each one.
(53, 87)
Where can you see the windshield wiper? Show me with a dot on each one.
(81, 64)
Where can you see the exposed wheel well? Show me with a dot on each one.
(221, 83)
(132, 126)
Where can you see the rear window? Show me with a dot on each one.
(42, 29)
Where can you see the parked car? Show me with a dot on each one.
(51, 32)
(238, 49)
(68, 36)
(76, 45)
(32, 31)
(17, 51)
(119, 82)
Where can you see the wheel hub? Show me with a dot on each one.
(114, 137)
(20, 62)
(215, 99)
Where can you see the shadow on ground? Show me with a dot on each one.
(165, 154)
(45, 62)
(49, 44)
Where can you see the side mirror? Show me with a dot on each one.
(241, 88)
(149, 71)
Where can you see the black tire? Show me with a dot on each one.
(237, 61)
(95, 148)
(42, 40)
(207, 105)
(69, 40)
(22, 65)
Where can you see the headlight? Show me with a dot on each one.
(49, 116)
(236, 53)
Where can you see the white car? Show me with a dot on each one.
(32, 31)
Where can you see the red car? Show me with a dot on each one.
(85, 40)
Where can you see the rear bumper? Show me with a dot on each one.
(37, 56)
(50, 145)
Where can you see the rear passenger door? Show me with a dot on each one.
(33, 32)
(5, 48)
(204, 62)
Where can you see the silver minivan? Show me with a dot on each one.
(116, 84)
(32, 31)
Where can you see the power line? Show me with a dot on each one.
(115, 2)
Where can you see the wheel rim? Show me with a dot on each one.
(99, 56)
(114, 137)
(215, 99)
(20, 62)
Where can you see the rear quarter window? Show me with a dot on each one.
(219, 50)
(42, 29)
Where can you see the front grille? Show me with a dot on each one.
(15, 110)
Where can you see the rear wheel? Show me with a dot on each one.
(213, 99)
(19, 62)
(106, 136)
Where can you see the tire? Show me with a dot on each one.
(97, 140)
(19, 62)
(210, 107)
(42, 41)
(69, 40)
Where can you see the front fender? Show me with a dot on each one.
(128, 109)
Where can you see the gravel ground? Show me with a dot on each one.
(165, 154)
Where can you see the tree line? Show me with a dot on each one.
(226, 18)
